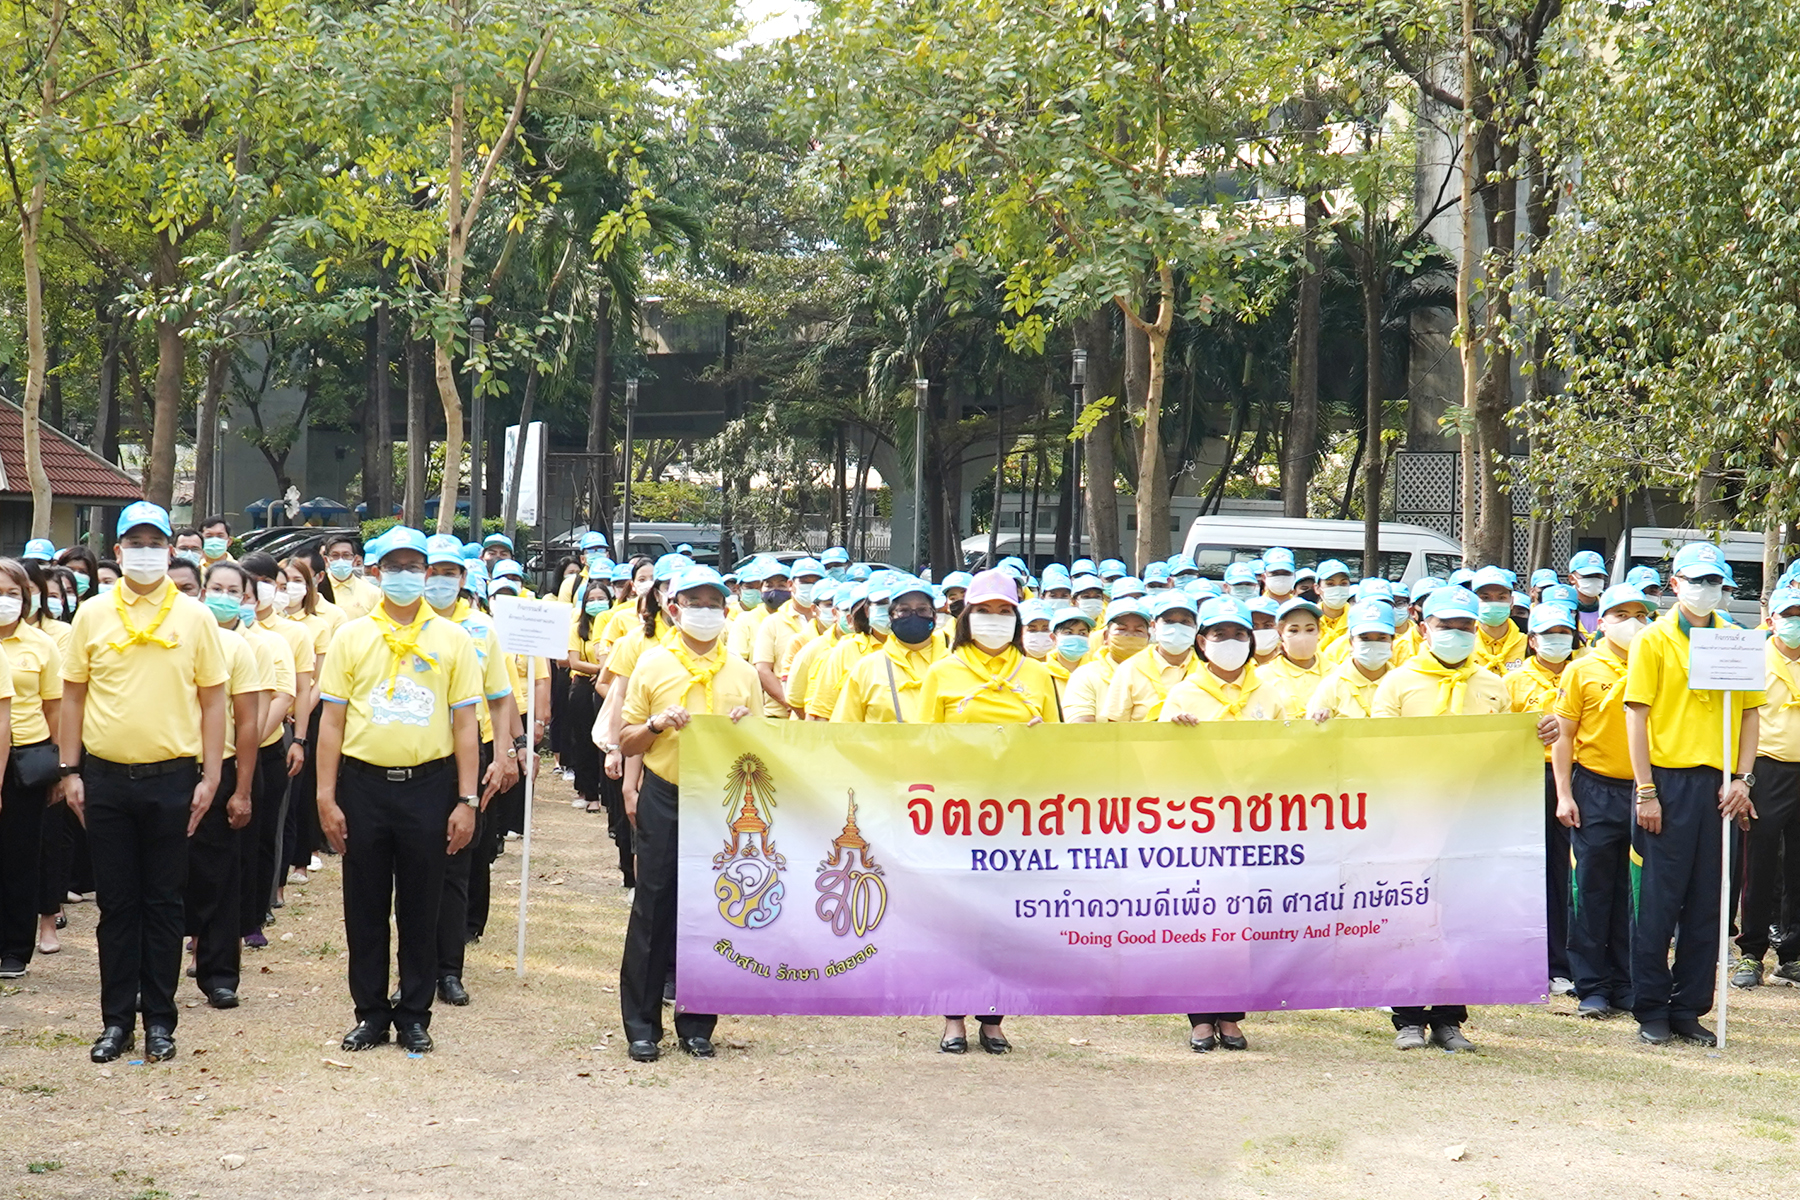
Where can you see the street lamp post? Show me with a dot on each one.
(921, 398)
(1077, 395)
(477, 426)
(218, 465)
(631, 400)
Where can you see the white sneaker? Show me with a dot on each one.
(630, 894)
(1561, 987)
(578, 802)
(317, 864)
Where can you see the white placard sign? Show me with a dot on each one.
(536, 627)
(1726, 660)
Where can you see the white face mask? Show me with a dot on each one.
(144, 564)
(296, 593)
(1555, 647)
(265, 593)
(1301, 646)
(1699, 598)
(992, 631)
(1589, 586)
(1039, 645)
(1266, 640)
(1372, 656)
(702, 624)
(1172, 637)
(1228, 655)
(803, 593)
(1336, 595)
(1279, 583)
(10, 609)
(1091, 607)
(1623, 632)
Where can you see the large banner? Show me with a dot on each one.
(1087, 869)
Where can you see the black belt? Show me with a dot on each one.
(397, 774)
(168, 766)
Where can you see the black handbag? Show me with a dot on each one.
(38, 764)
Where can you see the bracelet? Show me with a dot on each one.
(651, 726)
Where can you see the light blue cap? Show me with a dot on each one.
(621, 572)
(1086, 583)
(1643, 577)
(1371, 616)
(400, 537)
(471, 550)
(1224, 610)
(1240, 572)
(1278, 558)
(1055, 576)
(1697, 560)
(1330, 567)
(899, 585)
(1201, 587)
(1070, 613)
(1181, 564)
(1730, 579)
(1173, 600)
(1156, 572)
(1264, 605)
(1545, 617)
(1258, 568)
(1422, 585)
(860, 572)
(686, 548)
(1461, 576)
(42, 549)
(1521, 600)
(774, 568)
(1560, 593)
(834, 556)
(1036, 610)
(1083, 566)
(142, 512)
(508, 568)
(1296, 604)
(497, 539)
(958, 579)
(1305, 573)
(808, 566)
(1587, 562)
(1127, 585)
(851, 594)
(1543, 577)
(1130, 606)
(1490, 577)
(1112, 568)
(476, 578)
(1780, 600)
(1452, 601)
(593, 539)
(670, 565)
(696, 576)
(443, 548)
(1375, 589)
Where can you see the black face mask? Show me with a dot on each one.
(1309, 592)
(956, 608)
(912, 628)
(774, 598)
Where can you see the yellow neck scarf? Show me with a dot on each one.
(1151, 664)
(994, 672)
(403, 640)
(1453, 682)
(146, 635)
(701, 671)
(1212, 685)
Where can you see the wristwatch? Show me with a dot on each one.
(608, 747)
(68, 769)
(471, 801)
(1749, 778)
(651, 726)
(512, 752)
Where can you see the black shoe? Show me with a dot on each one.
(159, 1045)
(222, 997)
(1203, 1045)
(1654, 1033)
(12, 968)
(669, 990)
(365, 1035)
(1693, 1032)
(451, 991)
(113, 1041)
(1234, 1041)
(699, 1047)
(997, 1044)
(644, 1051)
(413, 1038)
(955, 1045)
(1596, 1008)
(471, 939)
(394, 996)
(62, 922)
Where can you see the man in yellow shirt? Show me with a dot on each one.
(1349, 689)
(782, 633)
(1678, 762)
(1142, 682)
(1127, 634)
(350, 591)
(1771, 874)
(1594, 802)
(141, 764)
(398, 753)
(1501, 645)
(883, 687)
(692, 673)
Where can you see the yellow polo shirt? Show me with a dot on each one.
(399, 712)
(245, 676)
(1532, 688)
(1778, 724)
(60, 632)
(299, 641)
(620, 620)
(141, 705)
(1332, 628)
(1295, 683)
(521, 668)
(318, 627)
(1142, 683)
(36, 677)
(742, 631)
(800, 671)
(622, 659)
(867, 695)
(496, 680)
(275, 662)
(1345, 692)
(1086, 691)
(828, 676)
(777, 639)
(661, 680)
(1686, 727)
(1249, 699)
(958, 689)
(1593, 696)
(356, 596)
(1407, 644)
(1406, 691)
(1502, 655)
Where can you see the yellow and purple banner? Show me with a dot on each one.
(1088, 869)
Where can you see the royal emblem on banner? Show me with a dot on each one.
(852, 893)
(749, 887)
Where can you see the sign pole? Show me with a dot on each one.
(1724, 986)
(527, 763)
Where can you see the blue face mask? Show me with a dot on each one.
(440, 590)
(225, 608)
(247, 613)
(596, 607)
(878, 618)
(82, 584)
(749, 598)
(1494, 612)
(1788, 630)
(1453, 645)
(1071, 646)
(403, 587)
(55, 607)
(836, 573)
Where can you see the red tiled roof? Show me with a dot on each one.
(76, 473)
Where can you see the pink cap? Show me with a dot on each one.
(992, 585)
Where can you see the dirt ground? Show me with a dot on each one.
(530, 1093)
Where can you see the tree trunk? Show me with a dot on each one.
(999, 472)
(206, 425)
(839, 498)
(1153, 480)
(105, 438)
(171, 369)
(31, 224)
(1302, 446)
(53, 384)
(1465, 285)
(1493, 396)
(1094, 333)
(1373, 287)
(382, 504)
(418, 439)
(599, 434)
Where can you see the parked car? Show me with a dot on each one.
(1408, 552)
(1655, 546)
(1012, 545)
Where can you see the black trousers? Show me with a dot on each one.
(1436, 1015)
(21, 845)
(1677, 899)
(214, 900)
(1600, 909)
(579, 753)
(267, 797)
(137, 834)
(650, 935)
(490, 839)
(560, 727)
(394, 859)
(618, 825)
(1213, 1018)
(453, 908)
(63, 862)
(301, 837)
(1768, 873)
(1557, 882)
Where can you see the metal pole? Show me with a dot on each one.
(631, 400)
(477, 426)
(921, 397)
(1077, 392)
(526, 764)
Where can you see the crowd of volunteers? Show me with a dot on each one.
(389, 729)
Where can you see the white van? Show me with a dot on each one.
(1009, 545)
(1655, 546)
(1408, 552)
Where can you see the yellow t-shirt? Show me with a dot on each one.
(742, 632)
(777, 640)
(1532, 688)
(1502, 655)
(318, 626)
(245, 677)
(1593, 696)
(622, 659)
(141, 705)
(1295, 684)
(1409, 691)
(866, 695)
(828, 675)
(660, 680)
(399, 711)
(591, 648)
(1087, 687)
(496, 680)
(1345, 692)
(300, 644)
(519, 669)
(801, 670)
(1142, 683)
(621, 619)
(1332, 628)
(1686, 727)
(968, 686)
(275, 663)
(1207, 697)
(36, 677)
(1779, 723)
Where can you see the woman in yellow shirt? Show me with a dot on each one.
(1300, 669)
(1073, 631)
(1349, 690)
(36, 688)
(1127, 633)
(586, 660)
(883, 687)
(986, 679)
